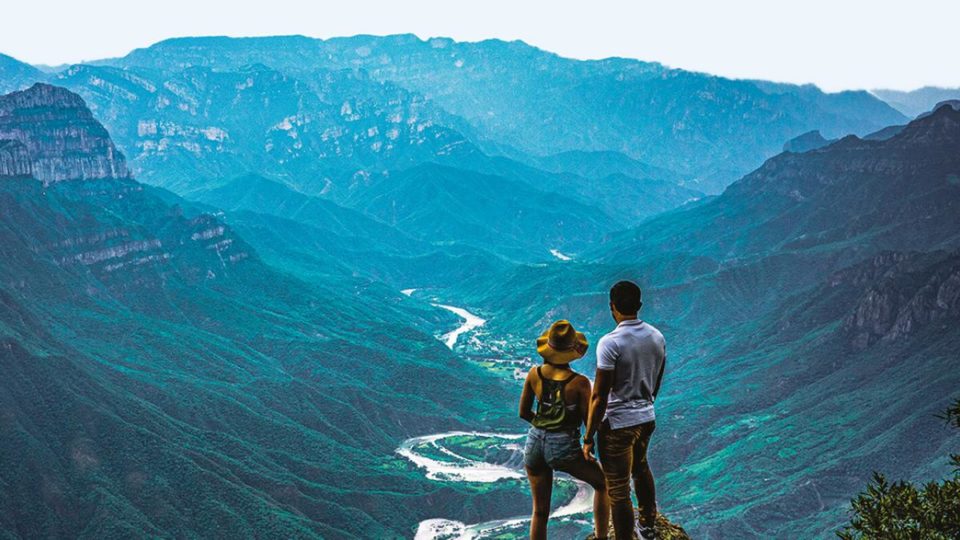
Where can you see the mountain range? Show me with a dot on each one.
(370, 102)
(204, 244)
(688, 122)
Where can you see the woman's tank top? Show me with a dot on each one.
(553, 413)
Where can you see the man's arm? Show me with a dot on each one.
(663, 367)
(598, 407)
(606, 364)
(598, 401)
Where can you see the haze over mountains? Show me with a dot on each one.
(223, 349)
(917, 101)
(708, 130)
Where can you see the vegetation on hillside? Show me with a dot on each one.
(901, 510)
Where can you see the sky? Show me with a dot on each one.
(836, 44)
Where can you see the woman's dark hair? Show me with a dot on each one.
(625, 296)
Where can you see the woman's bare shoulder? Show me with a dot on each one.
(581, 380)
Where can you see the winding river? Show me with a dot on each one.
(426, 453)
(470, 321)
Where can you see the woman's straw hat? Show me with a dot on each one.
(561, 343)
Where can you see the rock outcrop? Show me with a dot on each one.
(665, 531)
(904, 294)
(14, 159)
(58, 138)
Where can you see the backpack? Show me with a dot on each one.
(552, 413)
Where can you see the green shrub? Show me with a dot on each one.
(901, 510)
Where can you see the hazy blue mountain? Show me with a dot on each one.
(627, 200)
(259, 194)
(317, 238)
(16, 75)
(325, 133)
(884, 134)
(333, 134)
(810, 140)
(160, 378)
(917, 101)
(340, 136)
(709, 129)
(602, 163)
(854, 195)
(446, 205)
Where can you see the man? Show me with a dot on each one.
(630, 363)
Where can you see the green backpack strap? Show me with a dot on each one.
(551, 407)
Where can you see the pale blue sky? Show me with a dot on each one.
(836, 44)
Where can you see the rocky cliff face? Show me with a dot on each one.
(14, 159)
(903, 294)
(50, 133)
(128, 241)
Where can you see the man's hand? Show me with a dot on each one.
(588, 452)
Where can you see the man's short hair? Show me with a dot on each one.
(625, 296)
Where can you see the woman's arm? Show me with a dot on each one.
(583, 396)
(526, 398)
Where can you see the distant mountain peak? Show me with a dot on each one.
(952, 103)
(926, 149)
(810, 140)
(942, 123)
(40, 95)
(57, 137)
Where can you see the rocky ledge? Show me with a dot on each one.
(665, 531)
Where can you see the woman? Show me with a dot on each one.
(553, 443)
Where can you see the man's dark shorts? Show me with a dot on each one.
(623, 453)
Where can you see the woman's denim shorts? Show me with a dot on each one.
(554, 449)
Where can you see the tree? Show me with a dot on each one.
(901, 510)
